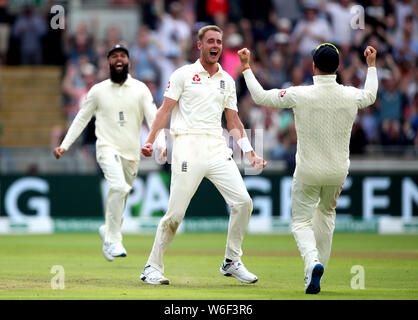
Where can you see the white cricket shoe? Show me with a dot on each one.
(152, 276)
(313, 277)
(117, 250)
(106, 245)
(111, 250)
(237, 270)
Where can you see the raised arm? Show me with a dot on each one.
(367, 96)
(272, 98)
(161, 118)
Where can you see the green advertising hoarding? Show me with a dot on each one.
(76, 202)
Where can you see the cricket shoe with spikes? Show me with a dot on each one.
(117, 250)
(237, 270)
(313, 277)
(152, 276)
(111, 250)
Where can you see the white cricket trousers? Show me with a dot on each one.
(120, 174)
(195, 157)
(313, 220)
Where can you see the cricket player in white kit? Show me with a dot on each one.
(197, 95)
(120, 104)
(324, 115)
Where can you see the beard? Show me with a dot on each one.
(119, 76)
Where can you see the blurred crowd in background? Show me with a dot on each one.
(281, 35)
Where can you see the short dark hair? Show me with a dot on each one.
(326, 57)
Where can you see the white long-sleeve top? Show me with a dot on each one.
(120, 110)
(324, 115)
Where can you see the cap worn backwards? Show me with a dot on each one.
(326, 57)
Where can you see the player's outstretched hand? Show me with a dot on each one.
(147, 150)
(370, 54)
(58, 152)
(244, 56)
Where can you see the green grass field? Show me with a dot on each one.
(192, 265)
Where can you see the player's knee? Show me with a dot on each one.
(300, 223)
(326, 210)
(121, 188)
(170, 224)
(246, 203)
(249, 203)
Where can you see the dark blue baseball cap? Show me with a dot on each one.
(326, 57)
(118, 47)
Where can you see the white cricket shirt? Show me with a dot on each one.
(120, 110)
(324, 115)
(201, 99)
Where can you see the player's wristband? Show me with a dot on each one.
(245, 145)
(245, 69)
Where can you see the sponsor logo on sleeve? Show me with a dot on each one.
(168, 86)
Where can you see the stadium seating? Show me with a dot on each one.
(29, 104)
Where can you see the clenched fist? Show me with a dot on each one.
(244, 56)
(256, 161)
(370, 54)
(147, 149)
(58, 152)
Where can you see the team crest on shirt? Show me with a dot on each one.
(222, 86)
(196, 79)
(184, 166)
(122, 120)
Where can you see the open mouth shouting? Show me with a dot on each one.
(214, 53)
(119, 66)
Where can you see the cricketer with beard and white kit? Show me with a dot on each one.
(119, 104)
